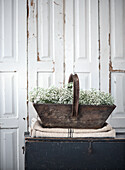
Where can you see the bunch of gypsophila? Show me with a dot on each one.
(64, 95)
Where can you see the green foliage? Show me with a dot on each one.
(65, 96)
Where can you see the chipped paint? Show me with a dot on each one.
(110, 66)
(27, 103)
(64, 57)
(38, 58)
(31, 3)
(27, 118)
(53, 69)
(109, 39)
(119, 71)
(27, 10)
(115, 70)
(99, 66)
(111, 70)
(99, 46)
(110, 82)
(33, 7)
(27, 34)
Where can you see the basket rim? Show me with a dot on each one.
(71, 105)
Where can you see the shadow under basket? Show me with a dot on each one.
(75, 115)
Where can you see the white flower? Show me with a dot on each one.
(65, 96)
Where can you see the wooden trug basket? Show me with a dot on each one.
(73, 115)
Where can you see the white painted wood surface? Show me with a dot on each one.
(63, 44)
(118, 91)
(79, 36)
(81, 42)
(104, 45)
(117, 27)
(12, 83)
(112, 57)
(45, 45)
(64, 36)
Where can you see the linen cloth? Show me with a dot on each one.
(38, 131)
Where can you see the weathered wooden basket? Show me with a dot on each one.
(75, 115)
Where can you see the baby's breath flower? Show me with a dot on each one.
(65, 96)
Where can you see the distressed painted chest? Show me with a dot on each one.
(74, 154)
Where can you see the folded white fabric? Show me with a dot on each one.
(38, 131)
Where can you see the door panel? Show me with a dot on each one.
(117, 9)
(45, 45)
(45, 29)
(9, 149)
(112, 57)
(81, 42)
(8, 30)
(8, 97)
(63, 39)
(44, 79)
(118, 91)
(13, 92)
(117, 62)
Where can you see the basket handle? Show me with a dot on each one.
(75, 105)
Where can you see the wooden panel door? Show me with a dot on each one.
(112, 58)
(12, 83)
(63, 39)
(81, 42)
(81, 36)
(45, 45)
(117, 61)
